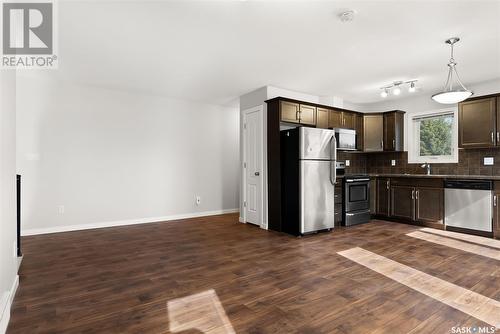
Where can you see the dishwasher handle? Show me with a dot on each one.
(469, 184)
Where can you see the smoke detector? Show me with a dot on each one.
(347, 16)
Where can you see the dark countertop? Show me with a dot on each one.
(441, 176)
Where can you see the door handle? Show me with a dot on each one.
(498, 137)
(413, 194)
(257, 173)
(381, 144)
(416, 194)
(492, 138)
(387, 184)
(495, 200)
(394, 143)
(297, 115)
(333, 158)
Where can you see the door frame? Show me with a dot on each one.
(260, 110)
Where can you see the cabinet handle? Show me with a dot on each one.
(495, 200)
(394, 143)
(297, 115)
(492, 138)
(381, 144)
(387, 184)
(498, 137)
(416, 194)
(413, 194)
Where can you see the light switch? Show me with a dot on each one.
(393, 162)
(489, 161)
(347, 163)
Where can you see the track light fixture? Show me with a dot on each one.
(395, 88)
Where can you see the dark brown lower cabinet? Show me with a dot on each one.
(417, 204)
(373, 196)
(496, 211)
(338, 198)
(403, 202)
(383, 197)
(429, 205)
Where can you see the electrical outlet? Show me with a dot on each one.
(347, 163)
(488, 161)
(198, 200)
(60, 209)
(393, 162)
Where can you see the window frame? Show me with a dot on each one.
(414, 137)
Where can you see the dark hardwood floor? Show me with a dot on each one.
(119, 280)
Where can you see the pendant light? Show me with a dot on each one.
(451, 95)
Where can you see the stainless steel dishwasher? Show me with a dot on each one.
(468, 204)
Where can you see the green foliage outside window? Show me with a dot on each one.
(435, 136)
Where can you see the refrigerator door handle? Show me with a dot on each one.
(333, 158)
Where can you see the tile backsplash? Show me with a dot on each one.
(470, 162)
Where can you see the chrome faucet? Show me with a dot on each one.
(428, 166)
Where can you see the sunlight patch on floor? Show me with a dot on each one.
(202, 311)
(466, 237)
(457, 244)
(467, 301)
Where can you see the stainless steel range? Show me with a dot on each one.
(356, 208)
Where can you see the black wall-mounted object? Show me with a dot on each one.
(18, 186)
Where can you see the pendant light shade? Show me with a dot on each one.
(454, 91)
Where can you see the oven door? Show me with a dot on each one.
(357, 195)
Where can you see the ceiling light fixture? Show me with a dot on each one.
(451, 95)
(412, 87)
(395, 88)
(384, 93)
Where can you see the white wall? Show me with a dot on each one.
(113, 156)
(8, 257)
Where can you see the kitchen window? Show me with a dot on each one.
(433, 137)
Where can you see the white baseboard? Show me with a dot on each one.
(6, 303)
(57, 229)
(241, 220)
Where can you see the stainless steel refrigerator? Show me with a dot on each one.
(308, 177)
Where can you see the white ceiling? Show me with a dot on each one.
(217, 51)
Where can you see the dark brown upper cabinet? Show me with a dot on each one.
(289, 111)
(359, 131)
(477, 123)
(335, 119)
(322, 115)
(393, 131)
(373, 133)
(498, 121)
(342, 119)
(307, 114)
(297, 113)
(349, 120)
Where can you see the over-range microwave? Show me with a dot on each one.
(346, 139)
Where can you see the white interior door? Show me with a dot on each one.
(252, 165)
